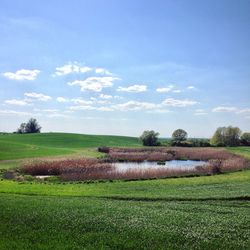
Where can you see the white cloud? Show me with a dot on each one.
(61, 99)
(200, 112)
(159, 111)
(191, 87)
(71, 68)
(134, 105)
(165, 89)
(103, 96)
(103, 102)
(13, 112)
(84, 69)
(82, 107)
(134, 88)
(64, 70)
(177, 91)
(95, 84)
(17, 102)
(103, 71)
(22, 74)
(224, 109)
(105, 109)
(76, 68)
(50, 110)
(178, 103)
(81, 101)
(38, 96)
(57, 115)
(244, 111)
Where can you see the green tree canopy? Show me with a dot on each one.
(245, 138)
(31, 126)
(149, 138)
(179, 135)
(226, 136)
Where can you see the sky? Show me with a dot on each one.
(122, 67)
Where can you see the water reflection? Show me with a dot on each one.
(174, 164)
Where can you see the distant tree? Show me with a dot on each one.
(226, 136)
(21, 129)
(179, 135)
(31, 126)
(245, 138)
(149, 138)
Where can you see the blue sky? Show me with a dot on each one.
(121, 67)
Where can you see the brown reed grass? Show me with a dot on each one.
(80, 169)
(57, 167)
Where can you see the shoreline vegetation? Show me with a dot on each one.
(219, 161)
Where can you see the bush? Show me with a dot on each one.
(103, 150)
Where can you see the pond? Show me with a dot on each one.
(174, 164)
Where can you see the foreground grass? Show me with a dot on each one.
(16, 146)
(185, 213)
(38, 222)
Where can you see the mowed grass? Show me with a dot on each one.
(16, 146)
(185, 213)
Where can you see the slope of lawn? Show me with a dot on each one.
(185, 213)
(17, 146)
(244, 151)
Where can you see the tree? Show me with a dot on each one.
(226, 136)
(31, 126)
(21, 129)
(149, 138)
(245, 139)
(179, 135)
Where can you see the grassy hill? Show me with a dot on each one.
(17, 146)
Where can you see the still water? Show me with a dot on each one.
(174, 164)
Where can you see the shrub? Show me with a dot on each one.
(103, 150)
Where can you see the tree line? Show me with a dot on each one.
(223, 136)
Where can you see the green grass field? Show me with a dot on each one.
(209, 212)
(16, 146)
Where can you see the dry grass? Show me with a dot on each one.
(171, 153)
(58, 167)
